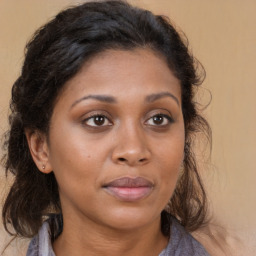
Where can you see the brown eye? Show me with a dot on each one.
(159, 120)
(97, 120)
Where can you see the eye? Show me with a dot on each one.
(97, 120)
(159, 120)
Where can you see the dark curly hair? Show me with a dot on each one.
(54, 55)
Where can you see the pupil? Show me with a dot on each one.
(99, 120)
(158, 119)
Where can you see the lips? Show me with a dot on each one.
(129, 189)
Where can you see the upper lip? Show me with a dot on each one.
(128, 182)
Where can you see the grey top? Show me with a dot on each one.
(181, 243)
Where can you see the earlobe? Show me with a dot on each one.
(39, 150)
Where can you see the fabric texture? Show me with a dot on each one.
(40, 245)
(181, 243)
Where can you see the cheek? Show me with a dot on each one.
(77, 178)
(70, 159)
(170, 158)
(77, 160)
(72, 147)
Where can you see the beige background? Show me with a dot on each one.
(222, 35)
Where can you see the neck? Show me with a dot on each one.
(88, 238)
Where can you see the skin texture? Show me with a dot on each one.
(129, 142)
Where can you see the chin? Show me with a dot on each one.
(132, 218)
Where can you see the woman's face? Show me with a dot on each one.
(116, 139)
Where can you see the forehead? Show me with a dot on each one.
(135, 71)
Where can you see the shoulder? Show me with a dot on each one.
(182, 243)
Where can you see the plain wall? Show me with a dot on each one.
(222, 35)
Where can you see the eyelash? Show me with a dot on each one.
(93, 117)
(169, 119)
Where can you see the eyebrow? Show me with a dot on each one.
(110, 99)
(102, 98)
(157, 96)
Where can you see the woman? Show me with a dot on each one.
(101, 132)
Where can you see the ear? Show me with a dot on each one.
(39, 150)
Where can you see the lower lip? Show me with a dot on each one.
(129, 194)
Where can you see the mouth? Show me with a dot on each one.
(129, 189)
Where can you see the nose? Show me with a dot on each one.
(131, 147)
